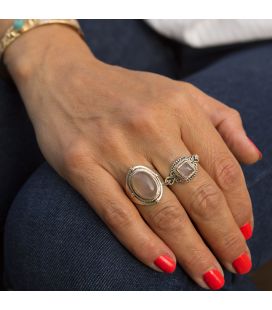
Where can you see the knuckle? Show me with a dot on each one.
(206, 201)
(179, 102)
(228, 173)
(107, 141)
(189, 87)
(141, 119)
(75, 156)
(175, 94)
(116, 217)
(168, 218)
(235, 113)
(191, 93)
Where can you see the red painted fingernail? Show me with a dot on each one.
(214, 279)
(259, 152)
(246, 231)
(165, 263)
(242, 264)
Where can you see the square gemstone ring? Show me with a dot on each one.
(185, 169)
(182, 169)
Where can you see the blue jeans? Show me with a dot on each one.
(53, 240)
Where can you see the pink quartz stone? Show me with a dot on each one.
(185, 170)
(144, 185)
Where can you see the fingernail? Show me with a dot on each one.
(242, 264)
(246, 231)
(259, 152)
(165, 263)
(214, 279)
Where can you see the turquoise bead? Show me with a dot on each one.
(18, 24)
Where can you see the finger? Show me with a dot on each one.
(201, 138)
(229, 124)
(109, 201)
(206, 205)
(171, 223)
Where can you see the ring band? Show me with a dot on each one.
(182, 170)
(143, 185)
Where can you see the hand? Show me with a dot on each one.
(93, 121)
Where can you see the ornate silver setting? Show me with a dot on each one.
(151, 177)
(182, 170)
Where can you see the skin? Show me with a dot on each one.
(93, 121)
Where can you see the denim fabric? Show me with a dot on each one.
(55, 241)
(19, 153)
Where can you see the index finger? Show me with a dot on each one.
(107, 198)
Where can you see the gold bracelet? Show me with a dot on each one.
(21, 26)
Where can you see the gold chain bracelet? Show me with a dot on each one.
(21, 26)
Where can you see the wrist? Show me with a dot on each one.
(44, 47)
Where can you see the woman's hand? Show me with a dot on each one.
(94, 121)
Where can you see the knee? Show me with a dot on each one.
(48, 226)
(54, 241)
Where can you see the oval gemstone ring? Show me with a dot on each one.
(143, 185)
(182, 170)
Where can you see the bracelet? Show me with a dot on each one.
(21, 26)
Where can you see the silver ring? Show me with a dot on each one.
(182, 170)
(143, 185)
